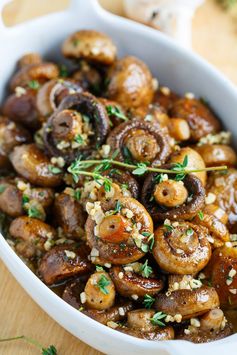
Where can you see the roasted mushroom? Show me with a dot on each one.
(31, 163)
(214, 210)
(90, 45)
(165, 98)
(140, 325)
(130, 281)
(32, 235)
(139, 141)
(64, 261)
(166, 198)
(221, 273)
(217, 154)
(11, 135)
(115, 112)
(29, 59)
(181, 248)
(88, 77)
(179, 129)
(118, 231)
(69, 131)
(69, 215)
(199, 117)
(130, 83)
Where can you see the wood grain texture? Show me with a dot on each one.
(214, 37)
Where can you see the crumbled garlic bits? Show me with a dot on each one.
(210, 198)
(230, 277)
(95, 211)
(19, 91)
(222, 137)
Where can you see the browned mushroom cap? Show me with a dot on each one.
(31, 163)
(29, 59)
(118, 239)
(188, 209)
(88, 78)
(182, 249)
(21, 108)
(165, 98)
(223, 187)
(194, 161)
(10, 199)
(64, 261)
(91, 45)
(138, 140)
(11, 135)
(39, 73)
(129, 283)
(139, 325)
(188, 303)
(154, 113)
(130, 83)
(216, 229)
(199, 117)
(126, 182)
(52, 93)
(69, 215)
(217, 154)
(221, 272)
(32, 235)
(81, 110)
(44, 195)
(115, 112)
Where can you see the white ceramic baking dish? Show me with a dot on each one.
(175, 67)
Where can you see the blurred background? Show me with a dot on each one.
(214, 24)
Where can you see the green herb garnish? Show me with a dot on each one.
(54, 169)
(200, 215)
(148, 301)
(156, 319)
(79, 139)
(189, 232)
(33, 84)
(99, 268)
(115, 111)
(63, 71)
(102, 284)
(2, 188)
(33, 212)
(51, 350)
(146, 270)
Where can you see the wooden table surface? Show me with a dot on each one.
(215, 38)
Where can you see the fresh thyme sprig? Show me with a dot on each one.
(51, 350)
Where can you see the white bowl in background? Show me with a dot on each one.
(176, 68)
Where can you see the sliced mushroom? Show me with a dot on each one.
(129, 283)
(182, 249)
(79, 126)
(11, 135)
(31, 163)
(139, 325)
(69, 215)
(20, 107)
(91, 45)
(32, 235)
(174, 200)
(194, 161)
(63, 262)
(216, 229)
(140, 141)
(222, 274)
(217, 154)
(188, 303)
(130, 83)
(40, 72)
(115, 237)
(199, 117)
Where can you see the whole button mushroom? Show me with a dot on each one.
(130, 83)
(199, 117)
(31, 163)
(90, 45)
(217, 154)
(28, 59)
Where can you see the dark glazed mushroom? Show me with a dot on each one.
(213, 326)
(217, 154)
(130, 83)
(140, 141)
(50, 95)
(115, 112)
(223, 187)
(36, 73)
(31, 163)
(11, 135)
(10, 199)
(68, 132)
(125, 180)
(63, 262)
(88, 77)
(69, 215)
(118, 236)
(188, 303)
(90, 45)
(139, 325)
(31, 234)
(165, 98)
(167, 200)
(129, 283)
(182, 248)
(199, 117)
(20, 107)
(221, 273)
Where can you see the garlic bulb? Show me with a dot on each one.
(173, 17)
